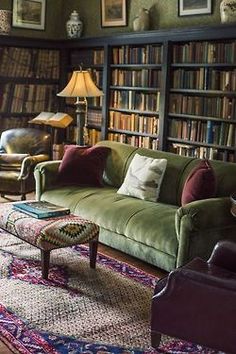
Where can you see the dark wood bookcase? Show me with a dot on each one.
(174, 90)
(29, 79)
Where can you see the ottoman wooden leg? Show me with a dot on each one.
(93, 247)
(45, 259)
(155, 339)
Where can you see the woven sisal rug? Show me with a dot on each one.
(78, 310)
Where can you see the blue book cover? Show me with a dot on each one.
(209, 139)
(41, 209)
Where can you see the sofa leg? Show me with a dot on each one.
(2, 195)
(93, 247)
(23, 197)
(155, 339)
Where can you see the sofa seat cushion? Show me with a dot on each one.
(152, 224)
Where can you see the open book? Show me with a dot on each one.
(56, 120)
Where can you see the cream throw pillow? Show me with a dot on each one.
(143, 178)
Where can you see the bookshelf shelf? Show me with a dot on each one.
(136, 111)
(196, 143)
(194, 117)
(135, 88)
(204, 92)
(137, 66)
(129, 132)
(204, 65)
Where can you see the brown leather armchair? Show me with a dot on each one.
(20, 150)
(197, 302)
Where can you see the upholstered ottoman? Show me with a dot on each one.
(51, 233)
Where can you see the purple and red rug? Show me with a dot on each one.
(78, 310)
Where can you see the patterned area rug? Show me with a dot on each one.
(78, 310)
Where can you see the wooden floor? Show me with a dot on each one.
(105, 250)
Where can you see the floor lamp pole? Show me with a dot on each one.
(81, 112)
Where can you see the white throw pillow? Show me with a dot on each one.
(143, 178)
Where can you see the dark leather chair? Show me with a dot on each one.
(20, 150)
(197, 302)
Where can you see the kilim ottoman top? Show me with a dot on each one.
(51, 233)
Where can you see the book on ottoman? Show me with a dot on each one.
(41, 209)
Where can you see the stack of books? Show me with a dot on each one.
(41, 209)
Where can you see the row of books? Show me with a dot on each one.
(57, 151)
(148, 54)
(94, 136)
(82, 58)
(94, 117)
(133, 122)
(5, 90)
(98, 56)
(205, 79)
(205, 52)
(215, 107)
(203, 152)
(28, 62)
(33, 98)
(135, 100)
(12, 122)
(92, 101)
(210, 132)
(138, 141)
(95, 101)
(141, 77)
(97, 76)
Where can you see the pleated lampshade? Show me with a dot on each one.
(80, 85)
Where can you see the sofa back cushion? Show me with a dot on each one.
(177, 171)
(116, 168)
(121, 156)
(175, 166)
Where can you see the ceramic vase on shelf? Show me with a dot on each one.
(5, 21)
(228, 11)
(74, 25)
(141, 21)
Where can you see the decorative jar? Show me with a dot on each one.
(228, 11)
(74, 25)
(141, 21)
(5, 21)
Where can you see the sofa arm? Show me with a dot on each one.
(28, 164)
(45, 174)
(200, 225)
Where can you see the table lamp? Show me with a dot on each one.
(81, 86)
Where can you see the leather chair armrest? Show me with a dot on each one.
(200, 274)
(224, 255)
(12, 159)
(29, 163)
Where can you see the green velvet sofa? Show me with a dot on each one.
(162, 233)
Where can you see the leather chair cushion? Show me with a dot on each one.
(11, 161)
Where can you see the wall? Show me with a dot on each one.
(53, 23)
(163, 14)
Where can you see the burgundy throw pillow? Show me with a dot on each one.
(200, 184)
(82, 165)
